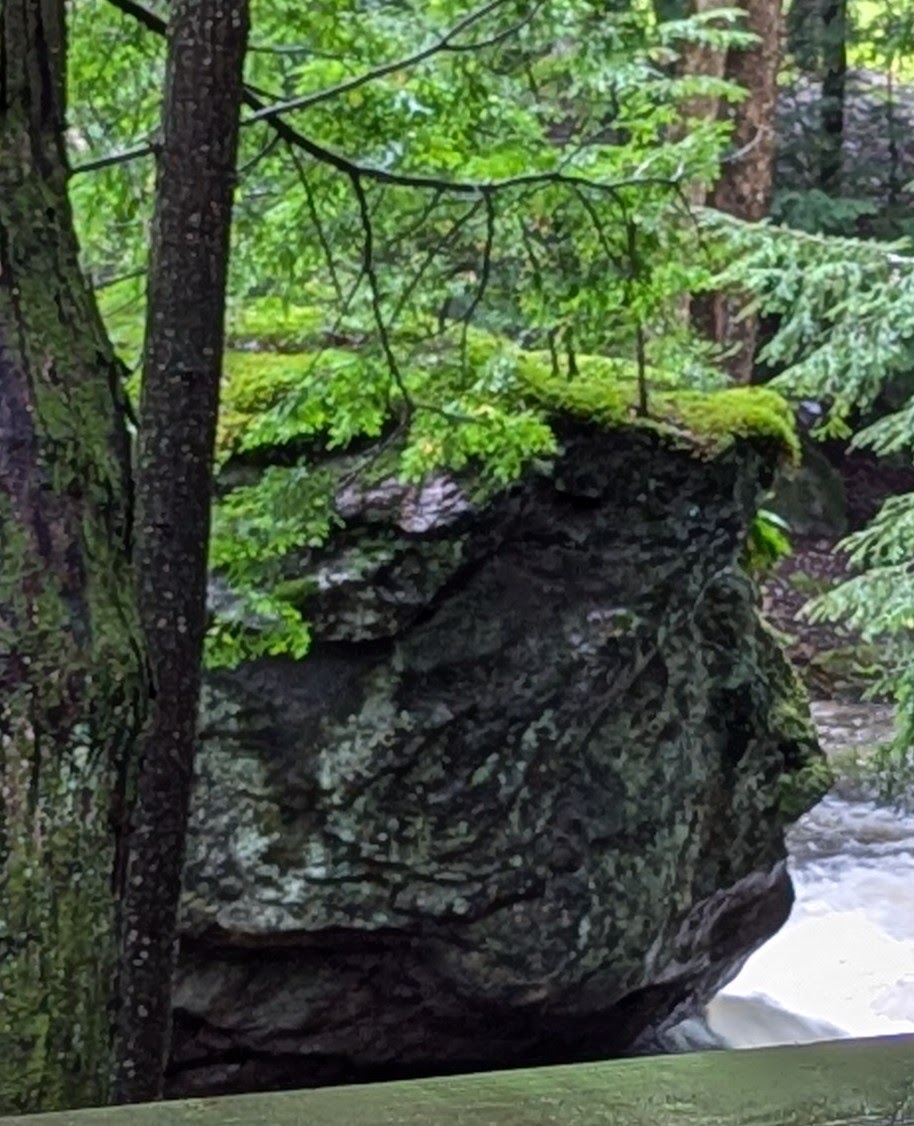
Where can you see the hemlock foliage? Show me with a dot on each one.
(447, 191)
(845, 310)
(456, 202)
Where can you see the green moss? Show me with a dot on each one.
(605, 389)
(272, 322)
(706, 422)
(254, 382)
(717, 418)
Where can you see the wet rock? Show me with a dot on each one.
(811, 497)
(851, 735)
(525, 800)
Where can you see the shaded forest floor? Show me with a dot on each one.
(832, 660)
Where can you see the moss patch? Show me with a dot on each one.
(706, 422)
(299, 383)
(278, 358)
(269, 323)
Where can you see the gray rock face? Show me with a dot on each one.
(525, 800)
(877, 160)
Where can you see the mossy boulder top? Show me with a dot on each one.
(263, 372)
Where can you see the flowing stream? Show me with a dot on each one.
(843, 964)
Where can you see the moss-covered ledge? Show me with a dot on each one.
(269, 367)
(278, 351)
(844, 1083)
(707, 423)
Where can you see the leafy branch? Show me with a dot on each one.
(355, 170)
(441, 45)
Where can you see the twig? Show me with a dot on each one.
(431, 255)
(122, 156)
(484, 275)
(322, 239)
(118, 278)
(368, 269)
(264, 151)
(444, 43)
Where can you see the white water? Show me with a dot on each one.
(843, 964)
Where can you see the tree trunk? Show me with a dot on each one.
(698, 58)
(72, 674)
(179, 404)
(744, 187)
(746, 182)
(834, 81)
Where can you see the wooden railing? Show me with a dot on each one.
(845, 1083)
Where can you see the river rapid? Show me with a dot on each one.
(843, 964)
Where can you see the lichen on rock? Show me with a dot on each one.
(524, 800)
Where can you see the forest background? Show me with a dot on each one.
(448, 220)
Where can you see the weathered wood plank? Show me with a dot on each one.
(846, 1083)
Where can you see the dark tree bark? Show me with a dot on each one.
(834, 82)
(72, 673)
(179, 404)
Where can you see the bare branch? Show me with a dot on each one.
(326, 249)
(260, 155)
(445, 43)
(370, 273)
(141, 14)
(484, 275)
(121, 157)
(432, 254)
(116, 279)
(598, 226)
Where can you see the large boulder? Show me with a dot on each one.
(524, 802)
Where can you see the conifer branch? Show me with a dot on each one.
(355, 170)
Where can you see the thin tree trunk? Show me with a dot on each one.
(746, 183)
(804, 34)
(700, 59)
(72, 674)
(696, 59)
(834, 82)
(179, 404)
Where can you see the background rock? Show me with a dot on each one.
(525, 800)
(811, 496)
(878, 161)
